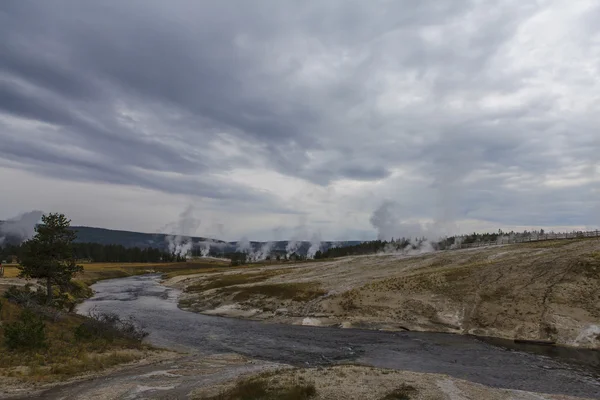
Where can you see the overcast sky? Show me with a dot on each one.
(274, 119)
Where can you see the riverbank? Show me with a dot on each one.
(355, 382)
(455, 356)
(67, 353)
(463, 366)
(547, 291)
(233, 377)
(49, 347)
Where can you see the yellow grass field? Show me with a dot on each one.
(10, 271)
(93, 272)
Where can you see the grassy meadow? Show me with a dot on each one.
(93, 272)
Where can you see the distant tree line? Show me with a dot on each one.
(117, 253)
(95, 252)
(393, 245)
(241, 258)
(370, 247)
(213, 252)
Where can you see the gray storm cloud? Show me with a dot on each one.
(458, 109)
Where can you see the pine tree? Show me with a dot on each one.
(49, 254)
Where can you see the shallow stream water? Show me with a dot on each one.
(491, 362)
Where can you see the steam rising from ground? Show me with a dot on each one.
(204, 249)
(387, 219)
(180, 240)
(294, 243)
(244, 246)
(293, 246)
(264, 251)
(180, 232)
(315, 245)
(206, 246)
(261, 254)
(20, 228)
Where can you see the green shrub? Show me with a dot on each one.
(23, 296)
(109, 326)
(29, 332)
(64, 298)
(298, 291)
(78, 289)
(64, 301)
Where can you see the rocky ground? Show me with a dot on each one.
(350, 382)
(542, 291)
(208, 377)
(15, 388)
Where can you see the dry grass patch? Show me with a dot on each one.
(94, 272)
(262, 389)
(552, 244)
(10, 271)
(194, 271)
(65, 355)
(300, 291)
(588, 265)
(348, 301)
(222, 281)
(404, 392)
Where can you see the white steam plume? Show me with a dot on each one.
(20, 228)
(295, 241)
(204, 249)
(389, 224)
(205, 246)
(264, 251)
(180, 232)
(315, 245)
(292, 246)
(244, 246)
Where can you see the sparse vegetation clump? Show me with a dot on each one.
(404, 392)
(42, 340)
(109, 326)
(31, 353)
(261, 389)
(28, 332)
(23, 296)
(229, 280)
(299, 291)
(348, 301)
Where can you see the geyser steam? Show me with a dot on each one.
(18, 229)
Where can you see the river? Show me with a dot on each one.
(530, 368)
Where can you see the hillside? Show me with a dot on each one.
(161, 241)
(543, 291)
(87, 234)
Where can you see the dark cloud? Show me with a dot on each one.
(174, 96)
